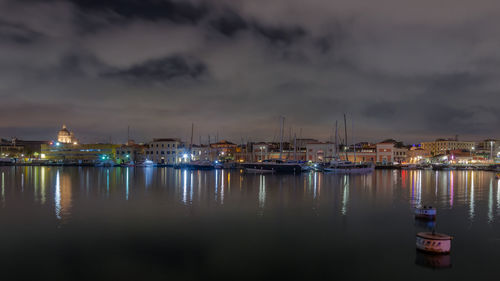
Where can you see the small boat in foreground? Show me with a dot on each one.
(435, 243)
(426, 212)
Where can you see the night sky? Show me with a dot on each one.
(409, 70)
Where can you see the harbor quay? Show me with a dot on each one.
(65, 149)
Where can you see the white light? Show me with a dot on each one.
(185, 156)
(58, 144)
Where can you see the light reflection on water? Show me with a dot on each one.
(327, 209)
(446, 189)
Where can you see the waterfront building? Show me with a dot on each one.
(78, 153)
(320, 151)
(418, 155)
(243, 153)
(390, 151)
(169, 151)
(443, 146)
(16, 148)
(262, 151)
(362, 155)
(66, 136)
(201, 152)
(131, 152)
(223, 151)
(489, 148)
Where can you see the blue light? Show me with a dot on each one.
(58, 144)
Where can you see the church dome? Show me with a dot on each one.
(65, 136)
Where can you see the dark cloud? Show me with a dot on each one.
(162, 70)
(176, 11)
(414, 72)
(17, 33)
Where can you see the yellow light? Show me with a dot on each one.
(43, 156)
(75, 143)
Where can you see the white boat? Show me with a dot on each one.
(5, 161)
(409, 167)
(105, 163)
(347, 167)
(425, 212)
(306, 168)
(146, 163)
(431, 242)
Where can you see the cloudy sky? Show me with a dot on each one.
(410, 70)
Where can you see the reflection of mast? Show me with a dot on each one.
(345, 195)
(262, 191)
(62, 198)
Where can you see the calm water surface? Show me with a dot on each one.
(79, 223)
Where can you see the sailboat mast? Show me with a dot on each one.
(128, 134)
(295, 148)
(353, 142)
(345, 134)
(282, 123)
(336, 143)
(191, 143)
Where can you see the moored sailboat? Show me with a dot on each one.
(347, 167)
(274, 166)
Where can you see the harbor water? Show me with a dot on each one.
(89, 223)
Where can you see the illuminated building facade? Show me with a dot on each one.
(390, 151)
(78, 153)
(66, 136)
(441, 146)
(418, 155)
(169, 151)
(130, 152)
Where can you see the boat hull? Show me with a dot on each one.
(348, 170)
(426, 214)
(433, 243)
(274, 168)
